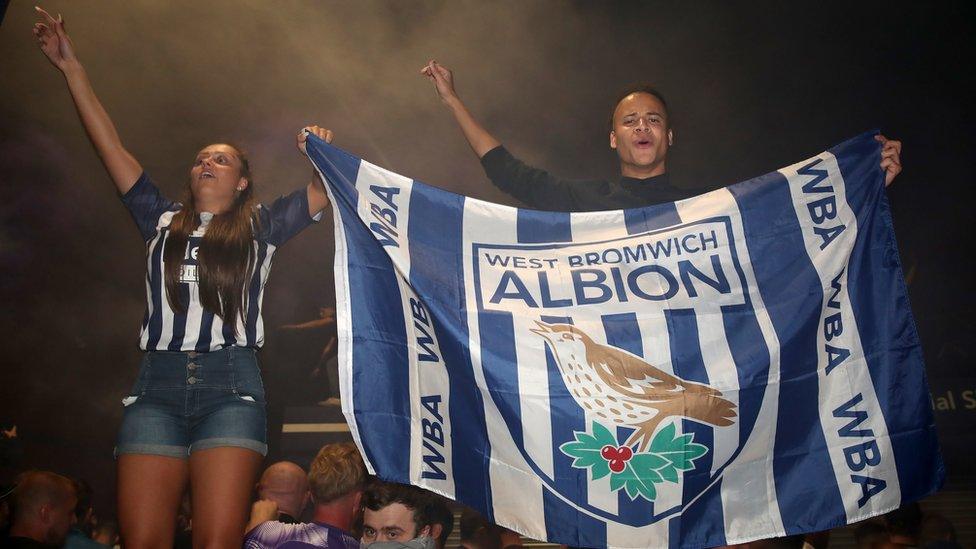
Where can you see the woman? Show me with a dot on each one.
(196, 413)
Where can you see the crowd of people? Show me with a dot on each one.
(336, 504)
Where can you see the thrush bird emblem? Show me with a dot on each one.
(623, 388)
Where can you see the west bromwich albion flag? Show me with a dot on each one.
(734, 366)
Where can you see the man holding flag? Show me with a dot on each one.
(640, 133)
(705, 371)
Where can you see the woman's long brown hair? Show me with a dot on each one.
(226, 255)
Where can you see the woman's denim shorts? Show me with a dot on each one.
(186, 401)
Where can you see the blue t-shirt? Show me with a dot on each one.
(196, 329)
(274, 534)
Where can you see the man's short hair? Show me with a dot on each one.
(381, 494)
(476, 531)
(37, 488)
(867, 533)
(471, 522)
(337, 470)
(636, 88)
(936, 527)
(905, 520)
(440, 513)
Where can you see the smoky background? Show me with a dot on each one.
(751, 87)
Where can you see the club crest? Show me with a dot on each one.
(618, 434)
(623, 390)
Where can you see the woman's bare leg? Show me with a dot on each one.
(222, 480)
(149, 493)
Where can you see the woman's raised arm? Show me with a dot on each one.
(122, 167)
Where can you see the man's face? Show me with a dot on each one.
(640, 135)
(391, 523)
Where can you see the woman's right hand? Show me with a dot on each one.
(122, 167)
(54, 41)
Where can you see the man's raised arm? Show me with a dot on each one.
(443, 79)
(537, 188)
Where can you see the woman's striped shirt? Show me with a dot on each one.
(197, 329)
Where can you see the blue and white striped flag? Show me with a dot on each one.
(734, 366)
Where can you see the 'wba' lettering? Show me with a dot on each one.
(433, 438)
(385, 226)
(834, 327)
(427, 351)
(822, 210)
(862, 454)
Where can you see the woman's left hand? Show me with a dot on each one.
(321, 133)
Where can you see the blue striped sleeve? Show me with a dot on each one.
(146, 204)
(286, 217)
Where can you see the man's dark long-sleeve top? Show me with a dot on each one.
(543, 191)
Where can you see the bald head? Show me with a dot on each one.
(44, 505)
(286, 484)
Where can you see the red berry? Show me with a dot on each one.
(617, 465)
(625, 453)
(608, 452)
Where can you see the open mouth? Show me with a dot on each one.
(207, 175)
(643, 143)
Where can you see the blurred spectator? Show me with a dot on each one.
(106, 533)
(509, 538)
(79, 535)
(325, 374)
(441, 519)
(286, 484)
(44, 510)
(937, 532)
(398, 515)
(11, 451)
(903, 525)
(817, 540)
(327, 317)
(6, 495)
(183, 538)
(476, 532)
(328, 370)
(336, 478)
(870, 533)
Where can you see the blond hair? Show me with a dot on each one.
(337, 470)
